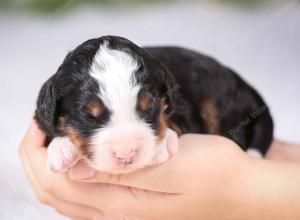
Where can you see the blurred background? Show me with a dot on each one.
(259, 39)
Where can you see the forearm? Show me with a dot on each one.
(267, 190)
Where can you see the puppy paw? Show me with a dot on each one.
(172, 142)
(62, 155)
(167, 148)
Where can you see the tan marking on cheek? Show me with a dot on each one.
(144, 101)
(209, 115)
(94, 108)
(80, 143)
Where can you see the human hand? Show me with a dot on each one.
(208, 179)
(185, 187)
(282, 151)
(33, 155)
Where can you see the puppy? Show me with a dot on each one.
(121, 107)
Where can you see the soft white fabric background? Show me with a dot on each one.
(263, 46)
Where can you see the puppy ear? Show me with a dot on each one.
(169, 91)
(163, 78)
(46, 111)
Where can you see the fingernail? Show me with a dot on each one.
(82, 171)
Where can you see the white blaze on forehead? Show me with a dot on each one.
(115, 71)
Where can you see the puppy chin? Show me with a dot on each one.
(115, 169)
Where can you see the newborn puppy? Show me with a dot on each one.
(120, 107)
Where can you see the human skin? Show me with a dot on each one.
(286, 152)
(209, 178)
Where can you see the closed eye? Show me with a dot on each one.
(145, 102)
(94, 108)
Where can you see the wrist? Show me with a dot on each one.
(266, 190)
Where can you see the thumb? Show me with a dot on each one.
(82, 172)
(34, 137)
(158, 178)
(173, 176)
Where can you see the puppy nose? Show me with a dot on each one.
(125, 157)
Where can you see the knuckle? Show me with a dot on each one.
(47, 187)
(43, 198)
(61, 212)
(20, 151)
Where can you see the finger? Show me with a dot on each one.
(156, 179)
(66, 208)
(120, 199)
(34, 137)
(76, 218)
(44, 182)
(162, 178)
(50, 187)
(108, 198)
(42, 197)
(74, 210)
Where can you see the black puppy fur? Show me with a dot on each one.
(202, 96)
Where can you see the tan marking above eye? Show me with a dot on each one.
(94, 108)
(145, 101)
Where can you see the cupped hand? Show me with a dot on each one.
(44, 183)
(204, 180)
(191, 185)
